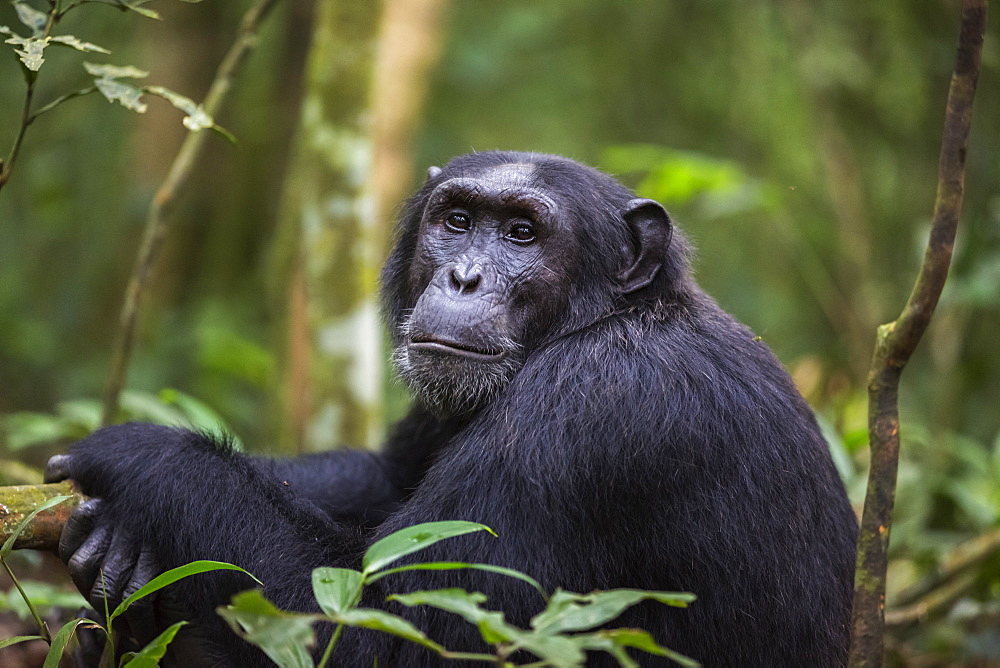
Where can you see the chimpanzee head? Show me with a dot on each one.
(499, 253)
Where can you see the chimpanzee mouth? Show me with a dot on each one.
(462, 350)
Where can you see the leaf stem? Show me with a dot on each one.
(43, 628)
(59, 100)
(329, 648)
(7, 166)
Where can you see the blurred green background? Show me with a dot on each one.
(795, 143)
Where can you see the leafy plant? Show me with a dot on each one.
(107, 79)
(76, 419)
(560, 635)
(147, 656)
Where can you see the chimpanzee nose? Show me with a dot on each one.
(466, 277)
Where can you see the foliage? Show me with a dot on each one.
(75, 419)
(146, 657)
(107, 79)
(559, 635)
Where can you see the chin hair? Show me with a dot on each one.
(456, 386)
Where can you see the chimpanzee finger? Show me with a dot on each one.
(141, 617)
(57, 468)
(116, 569)
(84, 565)
(79, 527)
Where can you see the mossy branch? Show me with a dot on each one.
(42, 533)
(897, 340)
(165, 198)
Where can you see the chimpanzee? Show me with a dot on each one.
(575, 390)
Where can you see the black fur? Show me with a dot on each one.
(646, 440)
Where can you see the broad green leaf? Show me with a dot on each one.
(388, 623)
(7, 642)
(26, 429)
(44, 596)
(150, 655)
(455, 565)
(83, 414)
(70, 40)
(128, 96)
(636, 639)
(284, 636)
(491, 624)
(567, 611)
(599, 643)
(31, 54)
(60, 640)
(148, 406)
(337, 590)
(413, 539)
(115, 71)
(172, 576)
(8, 545)
(31, 17)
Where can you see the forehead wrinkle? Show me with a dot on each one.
(523, 195)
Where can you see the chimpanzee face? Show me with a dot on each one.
(491, 259)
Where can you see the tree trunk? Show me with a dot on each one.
(328, 246)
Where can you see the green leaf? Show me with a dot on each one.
(128, 96)
(7, 642)
(196, 118)
(31, 17)
(387, 623)
(28, 429)
(567, 611)
(413, 539)
(150, 655)
(70, 40)
(31, 54)
(454, 565)
(44, 596)
(8, 545)
(284, 636)
(491, 624)
(114, 71)
(61, 639)
(148, 406)
(200, 415)
(136, 6)
(337, 590)
(636, 639)
(172, 576)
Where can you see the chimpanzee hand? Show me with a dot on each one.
(110, 544)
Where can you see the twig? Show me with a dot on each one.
(966, 556)
(7, 166)
(164, 200)
(897, 340)
(936, 600)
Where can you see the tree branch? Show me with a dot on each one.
(165, 198)
(43, 531)
(897, 340)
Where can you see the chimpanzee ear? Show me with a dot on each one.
(432, 172)
(651, 232)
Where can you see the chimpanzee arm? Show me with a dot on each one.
(361, 486)
(166, 497)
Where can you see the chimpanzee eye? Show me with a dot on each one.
(458, 221)
(521, 233)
